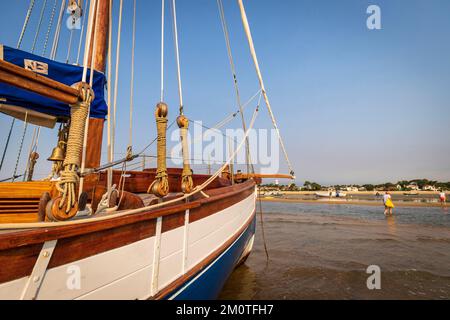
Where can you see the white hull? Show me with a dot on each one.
(333, 194)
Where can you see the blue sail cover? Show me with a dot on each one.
(61, 72)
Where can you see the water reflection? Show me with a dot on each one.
(241, 285)
(391, 224)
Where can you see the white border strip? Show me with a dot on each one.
(156, 256)
(34, 282)
(185, 240)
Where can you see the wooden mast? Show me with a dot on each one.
(101, 30)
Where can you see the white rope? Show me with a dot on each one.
(44, 5)
(110, 156)
(162, 49)
(29, 153)
(57, 32)
(25, 23)
(177, 54)
(235, 83)
(19, 43)
(25, 125)
(69, 47)
(130, 137)
(33, 148)
(196, 190)
(87, 45)
(94, 11)
(82, 32)
(261, 82)
(49, 28)
(116, 80)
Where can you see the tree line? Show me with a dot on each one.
(403, 185)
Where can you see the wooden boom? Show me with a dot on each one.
(28, 80)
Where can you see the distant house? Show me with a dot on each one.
(412, 186)
(429, 188)
(351, 189)
(362, 189)
(399, 187)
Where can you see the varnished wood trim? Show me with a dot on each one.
(220, 203)
(25, 190)
(26, 237)
(19, 250)
(30, 81)
(191, 273)
(83, 246)
(18, 262)
(172, 222)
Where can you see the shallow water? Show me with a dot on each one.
(323, 251)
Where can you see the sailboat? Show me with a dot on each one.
(90, 231)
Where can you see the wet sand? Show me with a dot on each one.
(313, 256)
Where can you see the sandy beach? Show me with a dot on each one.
(366, 198)
(354, 202)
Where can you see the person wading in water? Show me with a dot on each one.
(388, 205)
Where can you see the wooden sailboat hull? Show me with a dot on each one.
(183, 251)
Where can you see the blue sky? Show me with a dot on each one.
(354, 105)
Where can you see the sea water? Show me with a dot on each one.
(322, 251)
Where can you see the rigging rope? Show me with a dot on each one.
(162, 50)
(7, 142)
(82, 30)
(95, 13)
(116, 80)
(49, 28)
(25, 125)
(57, 32)
(196, 190)
(19, 43)
(235, 83)
(177, 55)
(44, 5)
(110, 172)
(183, 123)
(33, 148)
(261, 82)
(25, 23)
(69, 48)
(130, 141)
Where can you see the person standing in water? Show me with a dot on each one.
(442, 197)
(388, 205)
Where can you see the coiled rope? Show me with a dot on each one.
(160, 186)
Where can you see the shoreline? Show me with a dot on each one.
(362, 202)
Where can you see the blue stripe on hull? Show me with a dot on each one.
(208, 283)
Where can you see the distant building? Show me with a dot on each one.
(413, 186)
(429, 188)
(351, 189)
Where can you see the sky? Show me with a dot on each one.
(353, 105)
